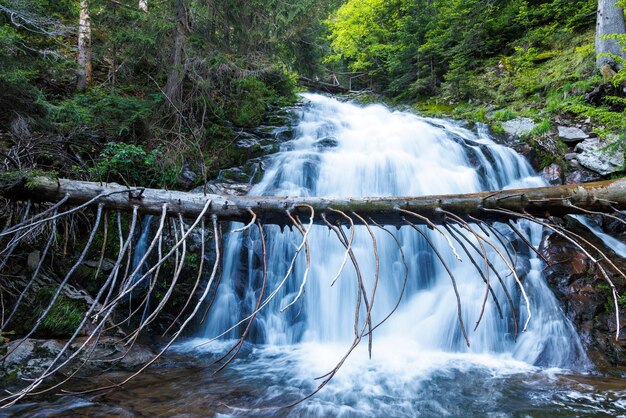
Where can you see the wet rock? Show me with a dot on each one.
(598, 156)
(32, 356)
(586, 299)
(553, 174)
(328, 142)
(284, 133)
(571, 134)
(518, 126)
(571, 156)
(616, 226)
(522, 267)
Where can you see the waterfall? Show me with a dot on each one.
(343, 149)
(613, 243)
(140, 249)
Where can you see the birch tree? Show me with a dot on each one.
(84, 47)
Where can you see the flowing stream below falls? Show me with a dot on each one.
(420, 364)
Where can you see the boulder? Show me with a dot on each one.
(596, 155)
(571, 134)
(553, 174)
(518, 126)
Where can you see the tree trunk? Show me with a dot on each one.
(542, 202)
(143, 5)
(176, 72)
(84, 47)
(610, 22)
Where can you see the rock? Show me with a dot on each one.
(227, 189)
(21, 353)
(581, 176)
(581, 288)
(571, 156)
(518, 126)
(137, 356)
(595, 156)
(33, 260)
(327, 142)
(571, 134)
(107, 264)
(187, 177)
(30, 358)
(553, 174)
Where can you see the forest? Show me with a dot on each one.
(491, 132)
(137, 91)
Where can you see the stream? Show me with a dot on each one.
(420, 363)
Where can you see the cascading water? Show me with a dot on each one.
(614, 244)
(341, 149)
(420, 364)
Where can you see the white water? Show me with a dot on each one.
(341, 149)
(614, 244)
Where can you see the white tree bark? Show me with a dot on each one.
(610, 22)
(143, 5)
(84, 47)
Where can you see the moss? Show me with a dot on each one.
(27, 178)
(64, 317)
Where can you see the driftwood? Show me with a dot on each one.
(38, 207)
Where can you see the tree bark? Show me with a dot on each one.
(84, 47)
(176, 72)
(143, 5)
(606, 196)
(610, 21)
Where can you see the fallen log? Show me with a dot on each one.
(542, 202)
(322, 86)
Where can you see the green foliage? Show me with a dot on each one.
(542, 128)
(132, 165)
(504, 115)
(418, 48)
(109, 114)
